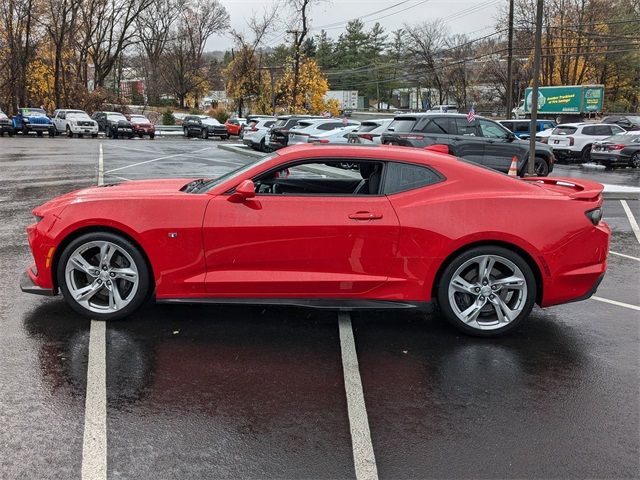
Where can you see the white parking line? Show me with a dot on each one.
(632, 220)
(363, 457)
(157, 159)
(624, 256)
(142, 150)
(94, 444)
(619, 304)
(100, 166)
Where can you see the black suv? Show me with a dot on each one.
(482, 141)
(279, 133)
(627, 121)
(113, 124)
(204, 127)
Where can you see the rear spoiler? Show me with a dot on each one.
(580, 190)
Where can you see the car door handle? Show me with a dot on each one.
(365, 216)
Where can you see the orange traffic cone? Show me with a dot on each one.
(513, 169)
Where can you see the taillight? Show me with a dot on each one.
(594, 215)
(571, 140)
(617, 146)
(412, 137)
(317, 140)
(544, 140)
(366, 136)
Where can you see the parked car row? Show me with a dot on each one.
(73, 122)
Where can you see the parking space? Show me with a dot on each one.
(274, 392)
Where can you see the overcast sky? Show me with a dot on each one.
(474, 17)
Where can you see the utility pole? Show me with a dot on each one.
(273, 86)
(534, 89)
(510, 63)
(296, 66)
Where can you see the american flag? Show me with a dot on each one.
(471, 116)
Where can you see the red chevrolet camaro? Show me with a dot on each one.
(326, 226)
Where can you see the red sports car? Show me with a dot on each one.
(399, 228)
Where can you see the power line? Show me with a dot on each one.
(379, 18)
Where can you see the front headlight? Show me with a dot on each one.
(25, 120)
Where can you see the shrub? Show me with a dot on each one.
(168, 118)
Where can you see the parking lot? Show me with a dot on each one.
(278, 392)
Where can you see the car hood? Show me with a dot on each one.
(130, 189)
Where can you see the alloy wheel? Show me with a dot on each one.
(101, 276)
(635, 160)
(487, 292)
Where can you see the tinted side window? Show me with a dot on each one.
(441, 126)
(521, 127)
(269, 123)
(403, 176)
(492, 130)
(597, 130)
(466, 128)
(402, 125)
(508, 125)
(329, 126)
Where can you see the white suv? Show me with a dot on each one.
(574, 140)
(306, 128)
(255, 132)
(74, 122)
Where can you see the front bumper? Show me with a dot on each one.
(28, 285)
(38, 127)
(83, 129)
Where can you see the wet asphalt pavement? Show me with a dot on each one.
(252, 392)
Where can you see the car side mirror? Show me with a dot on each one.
(511, 137)
(246, 190)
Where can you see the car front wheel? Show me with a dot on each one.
(635, 160)
(486, 291)
(541, 167)
(103, 276)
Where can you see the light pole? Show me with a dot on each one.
(534, 90)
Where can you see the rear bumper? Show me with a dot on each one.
(577, 268)
(28, 285)
(560, 152)
(610, 159)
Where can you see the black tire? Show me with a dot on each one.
(262, 147)
(11, 132)
(52, 132)
(80, 135)
(114, 135)
(585, 156)
(204, 134)
(1, 133)
(107, 132)
(69, 132)
(144, 278)
(152, 136)
(186, 132)
(541, 167)
(634, 161)
(25, 130)
(130, 136)
(442, 290)
(94, 135)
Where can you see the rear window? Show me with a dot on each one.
(366, 127)
(269, 123)
(564, 130)
(401, 177)
(402, 125)
(330, 125)
(304, 124)
(597, 130)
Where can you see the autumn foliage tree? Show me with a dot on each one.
(308, 95)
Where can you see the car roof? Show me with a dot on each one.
(437, 114)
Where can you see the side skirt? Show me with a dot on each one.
(322, 303)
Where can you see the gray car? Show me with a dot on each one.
(482, 141)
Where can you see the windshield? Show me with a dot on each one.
(238, 171)
(139, 119)
(624, 138)
(116, 116)
(34, 112)
(78, 116)
(564, 130)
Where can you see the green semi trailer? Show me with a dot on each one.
(573, 101)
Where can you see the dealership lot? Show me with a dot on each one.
(263, 392)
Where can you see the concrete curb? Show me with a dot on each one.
(621, 195)
(243, 150)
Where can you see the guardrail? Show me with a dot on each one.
(163, 130)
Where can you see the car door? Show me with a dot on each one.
(499, 147)
(300, 245)
(468, 143)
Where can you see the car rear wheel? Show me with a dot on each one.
(585, 156)
(69, 132)
(204, 134)
(635, 160)
(486, 291)
(103, 276)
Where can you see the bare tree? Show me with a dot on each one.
(183, 69)
(425, 42)
(154, 28)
